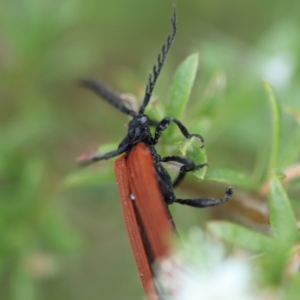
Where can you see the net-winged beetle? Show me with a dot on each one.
(145, 186)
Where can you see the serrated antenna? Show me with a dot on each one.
(160, 62)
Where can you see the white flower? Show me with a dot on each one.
(279, 69)
(201, 270)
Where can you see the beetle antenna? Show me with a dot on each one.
(107, 94)
(160, 62)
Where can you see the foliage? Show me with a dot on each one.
(50, 210)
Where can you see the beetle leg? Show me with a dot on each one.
(205, 202)
(87, 159)
(165, 122)
(188, 166)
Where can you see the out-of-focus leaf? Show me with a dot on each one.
(212, 94)
(231, 177)
(276, 125)
(88, 177)
(293, 288)
(23, 287)
(280, 174)
(60, 235)
(274, 263)
(282, 218)
(182, 86)
(240, 236)
(294, 112)
(103, 149)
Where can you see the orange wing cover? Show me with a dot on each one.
(145, 215)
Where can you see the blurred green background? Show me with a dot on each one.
(71, 243)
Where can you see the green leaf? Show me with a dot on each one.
(182, 86)
(240, 236)
(276, 125)
(155, 110)
(273, 265)
(88, 177)
(212, 95)
(282, 218)
(293, 287)
(192, 150)
(293, 111)
(232, 177)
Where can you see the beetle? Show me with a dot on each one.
(145, 186)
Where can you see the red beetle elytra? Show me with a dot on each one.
(145, 187)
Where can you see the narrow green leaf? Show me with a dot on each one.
(282, 218)
(88, 176)
(182, 86)
(293, 287)
(192, 150)
(212, 95)
(232, 177)
(240, 236)
(276, 125)
(273, 265)
(293, 111)
(155, 110)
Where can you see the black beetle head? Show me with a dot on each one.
(138, 129)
